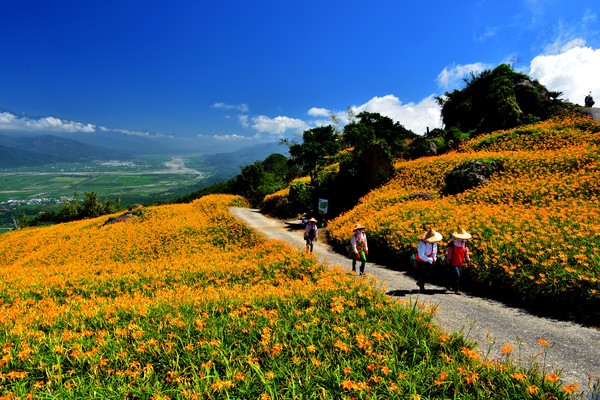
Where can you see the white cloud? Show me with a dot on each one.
(589, 17)
(414, 116)
(232, 137)
(451, 77)
(560, 46)
(277, 125)
(237, 107)
(575, 72)
(487, 33)
(10, 121)
(134, 133)
(7, 119)
(244, 121)
(324, 122)
(319, 112)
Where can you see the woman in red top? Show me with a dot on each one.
(457, 254)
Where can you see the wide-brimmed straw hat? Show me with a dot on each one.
(312, 220)
(431, 236)
(358, 226)
(461, 234)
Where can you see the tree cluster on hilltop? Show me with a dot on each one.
(363, 152)
(498, 99)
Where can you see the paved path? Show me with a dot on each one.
(575, 351)
(593, 111)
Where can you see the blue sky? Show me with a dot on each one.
(236, 73)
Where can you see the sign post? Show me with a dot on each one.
(323, 205)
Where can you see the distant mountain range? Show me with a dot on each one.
(48, 149)
(24, 151)
(221, 167)
(12, 157)
(229, 164)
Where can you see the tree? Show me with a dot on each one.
(372, 128)
(90, 207)
(247, 182)
(254, 181)
(375, 140)
(257, 180)
(317, 144)
(497, 99)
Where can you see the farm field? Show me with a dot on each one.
(58, 181)
(135, 181)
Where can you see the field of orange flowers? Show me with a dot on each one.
(535, 225)
(183, 301)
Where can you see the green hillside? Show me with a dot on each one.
(11, 157)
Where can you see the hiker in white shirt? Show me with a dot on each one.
(426, 256)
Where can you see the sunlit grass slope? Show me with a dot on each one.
(186, 302)
(535, 226)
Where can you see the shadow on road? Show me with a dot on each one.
(403, 293)
(294, 225)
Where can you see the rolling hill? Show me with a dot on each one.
(12, 157)
(535, 222)
(185, 301)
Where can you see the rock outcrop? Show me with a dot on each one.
(470, 174)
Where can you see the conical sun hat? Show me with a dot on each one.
(358, 226)
(461, 234)
(312, 220)
(431, 236)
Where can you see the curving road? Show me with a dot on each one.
(575, 349)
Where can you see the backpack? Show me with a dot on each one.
(349, 249)
(312, 232)
(413, 261)
(449, 253)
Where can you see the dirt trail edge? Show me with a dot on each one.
(575, 349)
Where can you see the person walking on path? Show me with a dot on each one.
(457, 254)
(426, 256)
(311, 234)
(360, 249)
(489, 323)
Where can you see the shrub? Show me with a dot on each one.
(470, 174)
